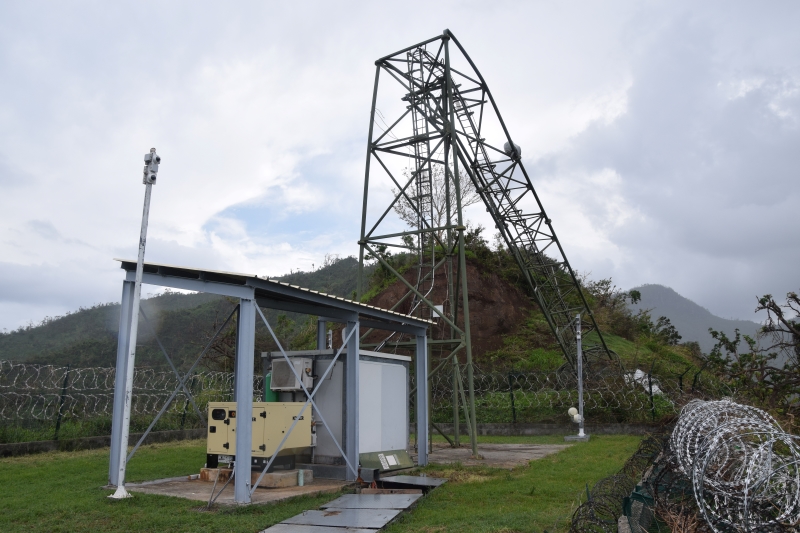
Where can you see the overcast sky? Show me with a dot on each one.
(662, 137)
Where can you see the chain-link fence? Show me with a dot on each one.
(606, 501)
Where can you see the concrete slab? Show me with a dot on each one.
(354, 518)
(391, 491)
(494, 455)
(373, 501)
(297, 528)
(201, 490)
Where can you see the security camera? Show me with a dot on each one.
(151, 167)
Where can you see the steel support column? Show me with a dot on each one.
(243, 386)
(421, 367)
(462, 261)
(123, 337)
(322, 334)
(351, 396)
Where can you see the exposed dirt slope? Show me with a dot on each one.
(497, 308)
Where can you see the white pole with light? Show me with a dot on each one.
(576, 415)
(580, 376)
(149, 179)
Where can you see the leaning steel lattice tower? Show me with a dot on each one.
(434, 128)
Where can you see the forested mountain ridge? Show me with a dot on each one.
(184, 322)
(690, 319)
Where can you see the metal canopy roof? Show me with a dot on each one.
(275, 295)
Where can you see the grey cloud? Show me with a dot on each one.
(44, 229)
(714, 176)
(65, 284)
(95, 85)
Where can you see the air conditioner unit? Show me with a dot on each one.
(284, 380)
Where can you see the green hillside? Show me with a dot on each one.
(185, 323)
(337, 277)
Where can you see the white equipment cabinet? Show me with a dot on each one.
(383, 403)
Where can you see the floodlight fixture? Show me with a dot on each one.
(150, 173)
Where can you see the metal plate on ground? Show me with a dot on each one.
(420, 482)
(296, 528)
(373, 501)
(355, 518)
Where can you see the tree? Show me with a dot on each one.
(439, 197)
(754, 373)
(757, 372)
(610, 307)
(666, 332)
(780, 326)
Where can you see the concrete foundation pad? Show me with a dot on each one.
(201, 490)
(210, 474)
(494, 455)
(281, 479)
(271, 480)
(576, 438)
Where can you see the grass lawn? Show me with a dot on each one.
(60, 492)
(535, 498)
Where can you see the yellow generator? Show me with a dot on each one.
(271, 422)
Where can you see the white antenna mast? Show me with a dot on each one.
(149, 179)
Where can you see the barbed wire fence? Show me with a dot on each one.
(611, 396)
(42, 396)
(37, 395)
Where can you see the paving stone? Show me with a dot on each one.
(373, 501)
(355, 518)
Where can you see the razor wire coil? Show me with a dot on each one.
(37, 392)
(744, 468)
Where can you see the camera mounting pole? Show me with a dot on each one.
(149, 179)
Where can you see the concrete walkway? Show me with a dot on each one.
(494, 455)
(367, 512)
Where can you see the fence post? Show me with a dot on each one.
(61, 403)
(186, 403)
(456, 416)
(694, 382)
(650, 380)
(511, 393)
(680, 378)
